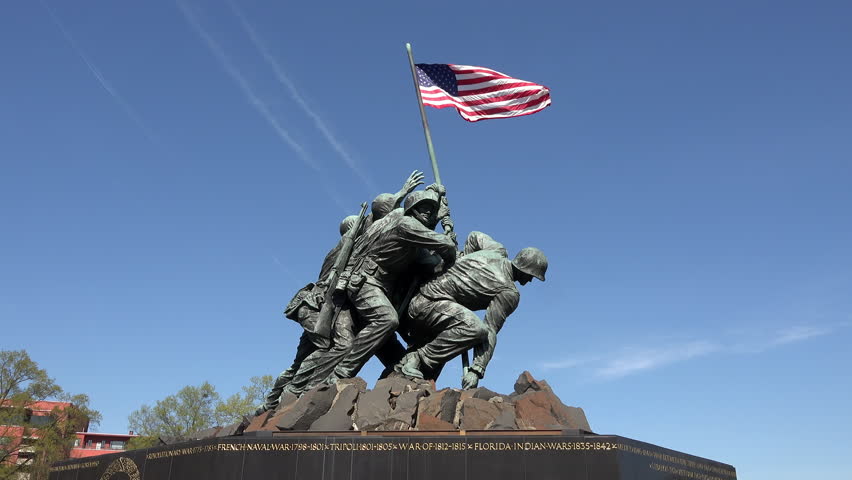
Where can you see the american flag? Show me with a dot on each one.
(479, 92)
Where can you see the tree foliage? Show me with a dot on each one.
(30, 443)
(194, 408)
(189, 410)
(246, 402)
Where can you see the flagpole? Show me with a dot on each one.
(464, 356)
(426, 131)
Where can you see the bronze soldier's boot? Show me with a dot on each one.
(410, 365)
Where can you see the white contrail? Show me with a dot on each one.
(252, 98)
(297, 97)
(261, 107)
(129, 110)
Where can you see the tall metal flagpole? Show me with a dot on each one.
(431, 148)
(423, 117)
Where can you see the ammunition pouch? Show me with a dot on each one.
(366, 268)
(307, 296)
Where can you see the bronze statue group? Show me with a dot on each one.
(390, 273)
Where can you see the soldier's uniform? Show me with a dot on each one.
(442, 320)
(382, 255)
(304, 308)
(311, 364)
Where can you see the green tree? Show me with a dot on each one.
(189, 410)
(246, 402)
(30, 443)
(194, 408)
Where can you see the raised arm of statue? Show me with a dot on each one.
(414, 180)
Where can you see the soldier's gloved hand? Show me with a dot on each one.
(437, 188)
(443, 209)
(453, 237)
(470, 379)
(414, 181)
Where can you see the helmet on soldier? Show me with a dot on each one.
(382, 205)
(420, 196)
(532, 262)
(347, 224)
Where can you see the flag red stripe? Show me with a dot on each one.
(495, 88)
(494, 97)
(469, 69)
(523, 106)
(474, 81)
(513, 115)
(502, 98)
(477, 108)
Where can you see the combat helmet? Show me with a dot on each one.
(420, 196)
(532, 262)
(383, 204)
(347, 224)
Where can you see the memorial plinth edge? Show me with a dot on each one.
(410, 455)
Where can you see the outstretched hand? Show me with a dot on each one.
(414, 181)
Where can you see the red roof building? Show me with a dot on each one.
(89, 444)
(16, 438)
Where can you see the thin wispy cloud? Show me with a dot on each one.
(751, 342)
(798, 334)
(638, 360)
(570, 362)
(628, 361)
(253, 99)
(285, 80)
(259, 105)
(124, 104)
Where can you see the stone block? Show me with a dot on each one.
(505, 420)
(206, 433)
(430, 422)
(372, 408)
(543, 410)
(441, 404)
(526, 382)
(476, 414)
(402, 415)
(339, 416)
(258, 422)
(356, 382)
(483, 393)
(311, 405)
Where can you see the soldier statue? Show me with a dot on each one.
(384, 255)
(372, 289)
(305, 306)
(442, 323)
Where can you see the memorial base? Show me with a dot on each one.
(410, 455)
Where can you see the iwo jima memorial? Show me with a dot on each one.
(391, 275)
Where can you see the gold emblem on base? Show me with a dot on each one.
(122, 465)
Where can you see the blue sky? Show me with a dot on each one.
(173, 172)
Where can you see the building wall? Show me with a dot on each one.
(13, 435)
(91, 444)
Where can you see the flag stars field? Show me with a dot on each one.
(479, 93)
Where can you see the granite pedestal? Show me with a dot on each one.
(411, 455)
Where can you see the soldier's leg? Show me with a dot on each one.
(380, 322)
(319, 365)
(453, 329)
(303, 351)
(390, 354)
